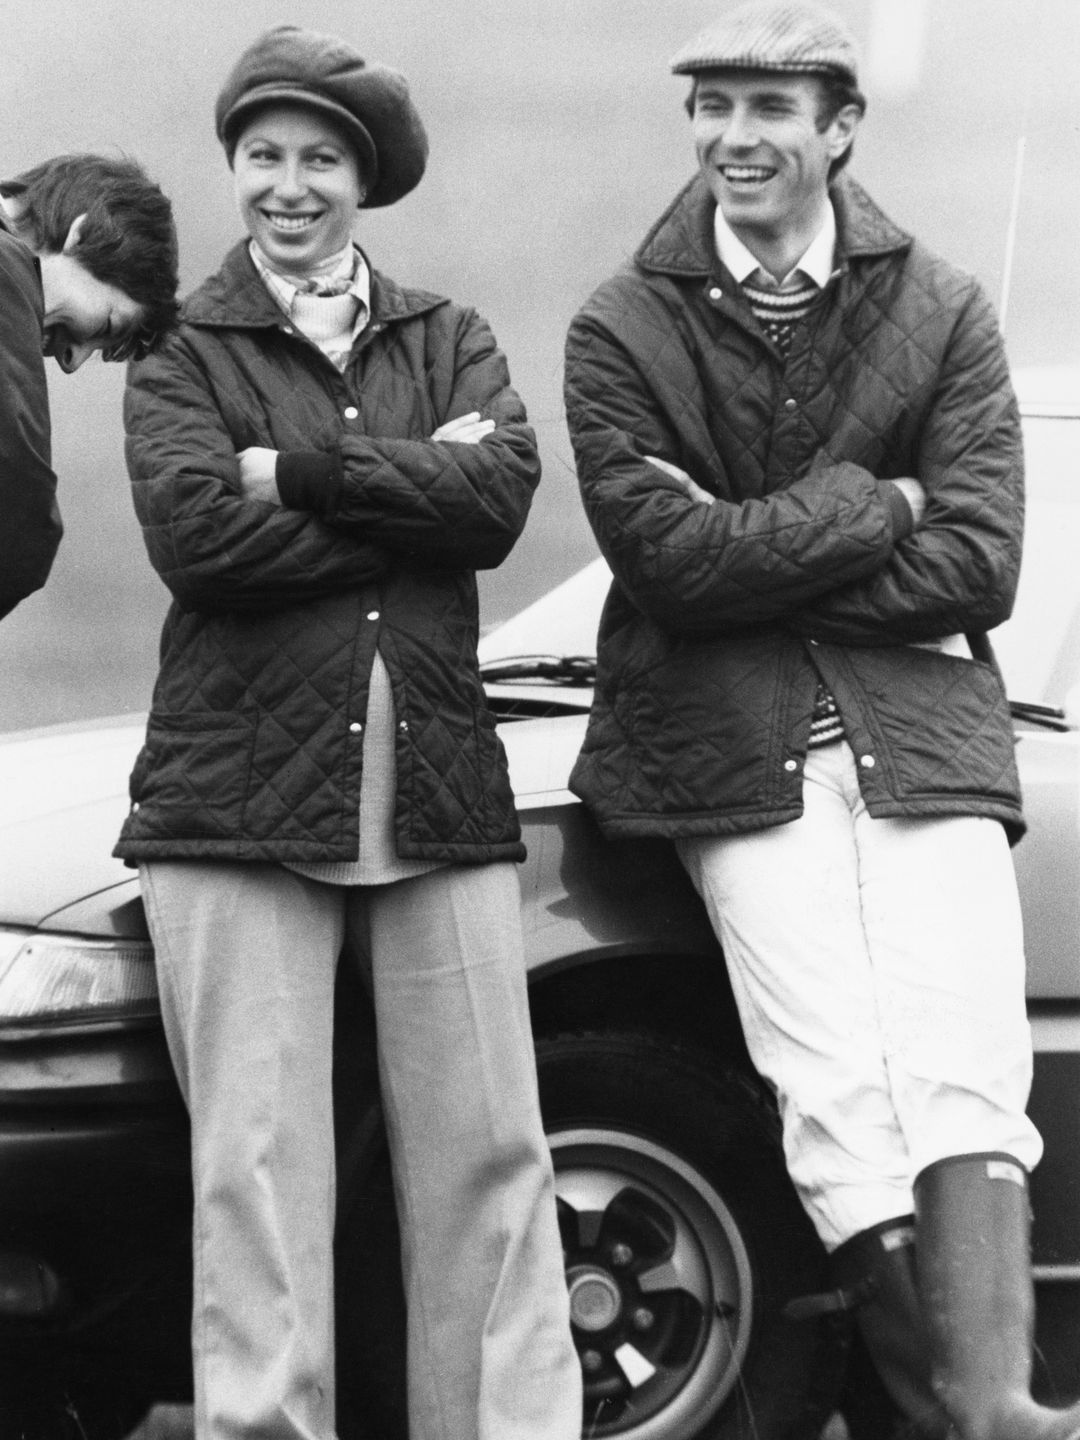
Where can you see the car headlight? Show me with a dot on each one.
(50, 979)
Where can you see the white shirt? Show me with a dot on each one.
(816, 262)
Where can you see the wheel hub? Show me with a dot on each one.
(595, 1299)
(650, 1255)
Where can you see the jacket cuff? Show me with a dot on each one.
(903, 521)
(308, 480)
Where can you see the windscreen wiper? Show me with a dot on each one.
(1049, 717)
(561, 669)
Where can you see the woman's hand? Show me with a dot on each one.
(692, 488)
(258, 474)
(465, 430)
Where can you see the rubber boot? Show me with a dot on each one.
(877, 1269)
(973, 1227)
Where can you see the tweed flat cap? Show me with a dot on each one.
(790, 35)
(370, 102)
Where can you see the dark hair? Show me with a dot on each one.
(834, 93)
(127, 240)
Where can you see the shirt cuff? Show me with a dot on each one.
(903, 520)
(308, 480)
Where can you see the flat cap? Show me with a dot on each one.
(370, 102)
(790, 35)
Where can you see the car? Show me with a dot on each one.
(682, 1235)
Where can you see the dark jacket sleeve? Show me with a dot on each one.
(692, 567)
(213, 548)
(433, 501)
(959, 569)
(30, 526)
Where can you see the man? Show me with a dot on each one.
(800, 453)
(87, 262)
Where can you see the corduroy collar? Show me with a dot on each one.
(235, 297)
(681, 242)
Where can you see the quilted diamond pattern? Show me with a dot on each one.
(723, 616)
(254, 746)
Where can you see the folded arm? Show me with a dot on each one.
(958, 571)
(215, 548)
(455, 498)
(691, 558)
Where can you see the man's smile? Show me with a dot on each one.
(747, 174)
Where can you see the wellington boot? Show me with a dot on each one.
(877, 1269)
(973, 1231)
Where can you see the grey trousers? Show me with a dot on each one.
(246, 957)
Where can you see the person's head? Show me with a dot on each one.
(312, 131)
(775, 104)
(104, 236)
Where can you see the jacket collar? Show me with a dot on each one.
(235, 297)
(681, 242)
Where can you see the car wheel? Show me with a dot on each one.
(683, 1240)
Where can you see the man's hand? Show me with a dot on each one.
(692, 488)
(914, 494)
(258, 474)
(465, 430)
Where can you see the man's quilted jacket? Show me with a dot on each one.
(254, 744)
(30, 525)
(722, 617)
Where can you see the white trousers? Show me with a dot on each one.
(246, 957)
(878, 968)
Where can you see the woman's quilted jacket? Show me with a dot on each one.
(723, 617)
(254, 744)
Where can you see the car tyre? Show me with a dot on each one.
(683, 1239)
(667, 1166)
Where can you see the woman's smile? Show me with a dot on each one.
(298, 185)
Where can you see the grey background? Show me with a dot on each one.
(557, 136)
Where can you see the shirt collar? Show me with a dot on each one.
(816, 262)
(285, 290)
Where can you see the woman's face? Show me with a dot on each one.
(297, 186)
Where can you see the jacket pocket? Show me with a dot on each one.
(193, 776)
(944, 723)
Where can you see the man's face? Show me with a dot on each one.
(761, 151)
(82, 313)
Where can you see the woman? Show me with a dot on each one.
(320, 460)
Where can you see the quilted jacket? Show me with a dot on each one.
(30, 526)
(722, 617)
(254, 743)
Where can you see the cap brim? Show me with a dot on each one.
(285, 94)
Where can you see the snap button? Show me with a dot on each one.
(867, 762)
(356, 727)
(715, 293)
(351, 412)
(287, 330)
(135, 807)
(403, 725)
(789, 404)
(372, 615)
(791, 764)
